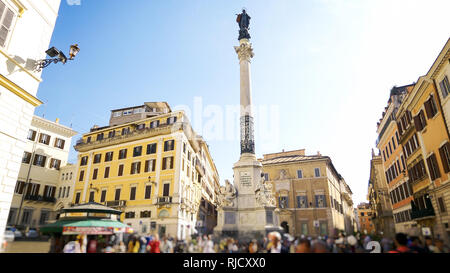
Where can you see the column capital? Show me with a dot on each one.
(245, 50)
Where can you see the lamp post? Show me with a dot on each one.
(57, 56)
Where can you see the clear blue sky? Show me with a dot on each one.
(327, 65)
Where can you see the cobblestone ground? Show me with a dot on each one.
(28, 247)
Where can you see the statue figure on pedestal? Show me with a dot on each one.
(264, 195)
(243, 20)
(227, 195)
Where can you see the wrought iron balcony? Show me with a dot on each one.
(40, 198)
(418, 214)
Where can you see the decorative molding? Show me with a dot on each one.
(11, 86)
(20, 6)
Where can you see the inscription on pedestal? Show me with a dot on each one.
(245, 179)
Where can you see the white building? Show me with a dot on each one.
(26, 27)
(66, 186)
(46, 152)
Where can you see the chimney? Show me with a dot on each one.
(57, 120)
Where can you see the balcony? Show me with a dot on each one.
(163, 200)
(420, 214)
(40, 198)
(116, 203)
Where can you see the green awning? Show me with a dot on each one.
(58, 226)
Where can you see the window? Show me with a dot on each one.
(166, 189)
(146, 214)
(44, 139)
(129, 215)
(444, 152)
(55, 163)
(393, 143)
(123, 154)
(125, 131)
(19, 187)
(39, 160)
(68, 190)
(109, 156)
(135, 168)
(445, 87)
(106, 172)
(59, 143)
(117, 195)
(441, 203)
(169, 145)
(120, 173)
(138, 110)
(26, 158)
(137, 151)
(167, 163)
(433, 167)
(150, 165)
(320, 201)
(302, 202)
(77, 198)
(94, 175)
(127, 112)
(97, 158)
(117, 114)
(31, 135)
(304, 228)
(154, 124)
(88, 139)
(103, 196)
(84, 161)
(283, 202)
(323, 228)
(141, 126)
(299, 174)
(111, 134)
(81, 176)
(430, 107)
(6, 20)
(133, 193)
(59, 193)
(317, 172)
(148, 191)
(419, 121)
(171, 120)
(92, 196)
(27, 215)
(151, 148)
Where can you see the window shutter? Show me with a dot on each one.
(444, 158)
(171, 163)
(139, 167)
(6, 25)
(436, 166)
(427, 105)
(164, 163)
(417, 123)
(400, 129)
(430, 167)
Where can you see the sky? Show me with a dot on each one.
(321, 74)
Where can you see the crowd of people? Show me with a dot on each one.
(274, 242)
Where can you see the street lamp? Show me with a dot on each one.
(57, 56)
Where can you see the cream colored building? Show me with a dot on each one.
(66, 187)
(312, 196)
(27, 27)
(46, 152)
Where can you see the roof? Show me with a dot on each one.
(400, 90)
(58, 226)
(294, 158)
(92, 207)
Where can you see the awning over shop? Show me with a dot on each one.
(88, 226)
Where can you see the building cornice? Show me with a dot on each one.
(53, 126)
(19, 91)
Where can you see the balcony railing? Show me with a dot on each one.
(164, 200)
(116, 203)
(417, 214)
(40, 198)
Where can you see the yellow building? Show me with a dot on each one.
(149, 163)
(312, 196)
(399, 192)
(425, 139)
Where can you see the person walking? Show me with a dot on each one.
(401, 241)
(209, 245)
(154, 244)
(275, 239)
(303, 246)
